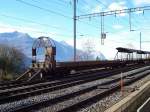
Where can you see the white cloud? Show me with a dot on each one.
(141, 2)
(117, 26)
(108, 49)
(117, 6)
(139, 12)
(98, 8)
(86, 8)
(122, 2)
(113, 6)
(113, 40)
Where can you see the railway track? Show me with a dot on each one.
(14, 94)
(76, 93)
(104, 89)
(15, 84)
(103, 92)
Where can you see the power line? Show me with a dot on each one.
(114, 12)
(39, 7)
(44, 9)
(41, 24)
(139, 23)
(88, 4)
(47, 10)
(50, 3)
(65, 1)
(85, 2)
(31, 21)
(56, 1)
(47, 3)
(101, 3)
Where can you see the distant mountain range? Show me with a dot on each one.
(24, 42)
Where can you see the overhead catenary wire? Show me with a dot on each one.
(68, 16)
(94, 26)
(130, 28)
(114, 12)
(101, 3)
(44, 9)
(63, 1)
(59, 2)
(85, 2)
(31, 21)
(49, 5)
(41, 24)
(50, 11)
(95, 19)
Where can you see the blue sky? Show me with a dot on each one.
(54, 18)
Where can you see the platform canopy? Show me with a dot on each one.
(127, 50)
(140, 52)
(145, 52)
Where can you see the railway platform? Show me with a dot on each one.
(132, 102)
(145, 107)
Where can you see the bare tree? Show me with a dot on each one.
(88, 47)
(11, 60)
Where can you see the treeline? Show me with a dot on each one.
(12, 62)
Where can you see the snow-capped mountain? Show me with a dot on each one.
(24, 42)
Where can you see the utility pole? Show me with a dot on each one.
(140, 40)
(130, 19)
(101, 29)
(103, 34)
(74, 27)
